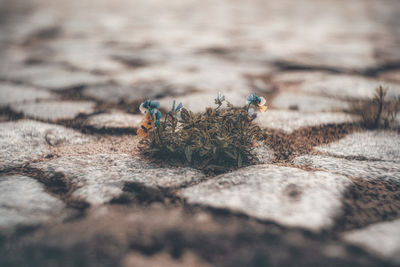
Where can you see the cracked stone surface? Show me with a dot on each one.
(99, 178)
(54, 110)
(307, 103)
(380, 145)
(353, 168)
(289, 120)
(347, 86)
(12, 93)
(286, 195)
(342, 86)
(24, 201)
(381, 238)
(114, 120)
(128, 93)
(320, 170)
(52, 77)
(25, 141)
(264, 153)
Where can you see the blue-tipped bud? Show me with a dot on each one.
(253, 99)
(158, 115)
(178, 107)
(154, 104)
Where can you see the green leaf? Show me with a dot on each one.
(239, 160)
(188, 153)
(185, 114)
(230, 154)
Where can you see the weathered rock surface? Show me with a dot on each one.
(120, 234)
(334, 85)
(130, 92)
(24, 141)
(12, 93)
(23, 201)
(54, 110)
(307, 103)
(289, 196)
(51, 77)
(390, 76)
(99, 178)
(372, 145)
(381, 238)
(309, 58)
(114, 120)
(264, 153)
(289, 121)
(364, 169)
(348, 86)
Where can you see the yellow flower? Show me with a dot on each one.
(147, 125)
(262, 105)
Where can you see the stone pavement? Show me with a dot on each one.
(76, 191)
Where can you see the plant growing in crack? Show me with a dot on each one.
(218, 139)
(378, 112)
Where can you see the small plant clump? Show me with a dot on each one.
(378, 112)
(218, 139)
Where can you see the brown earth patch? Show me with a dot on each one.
(119, 144)
(6, 114)
(367, 202)
(302, 141)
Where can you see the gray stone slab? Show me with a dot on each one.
(355, 54)
(25, 140)
(348, 86)
(308, 103)
(193, 72)
(382, 239)
(114, 93)
(61, 79)
(13, 93)
(264, 153)
(390, 76)
(23, 201)
(380, 145)
(99, 178)
(51, 76)
(380, 170)
(115, 119)
(54, 110)
(288, 196)
(289, 121)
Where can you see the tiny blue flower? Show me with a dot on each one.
(155, 104)
(151, 104)
(158, 115)
(253, 99)
(177, 108)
